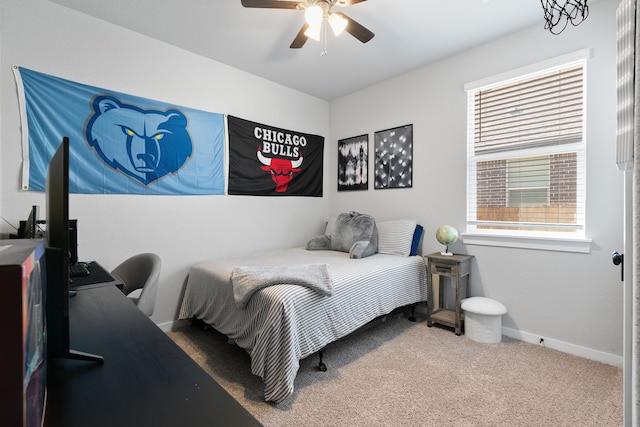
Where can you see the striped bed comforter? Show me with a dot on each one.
(284, 323)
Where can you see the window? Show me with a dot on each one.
(526, 153)
(528, 181)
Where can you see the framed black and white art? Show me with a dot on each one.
(353, 161)
(394, 158)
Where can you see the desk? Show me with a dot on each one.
(98, 277)
(146, 379)
(458, 268)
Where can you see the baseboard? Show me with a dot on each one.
(576, 350)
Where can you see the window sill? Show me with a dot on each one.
(528, 242)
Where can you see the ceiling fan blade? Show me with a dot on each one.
(271, 4)
(356, 30)
(348, 2)
(300, 39)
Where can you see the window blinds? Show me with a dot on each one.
(541, 111)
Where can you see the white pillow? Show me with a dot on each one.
(395, 237)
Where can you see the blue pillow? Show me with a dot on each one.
(417, 234)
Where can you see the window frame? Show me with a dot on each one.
(547, 240)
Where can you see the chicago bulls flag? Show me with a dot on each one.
(269, 161)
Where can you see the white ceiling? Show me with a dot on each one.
(408, 35)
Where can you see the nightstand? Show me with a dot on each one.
(458, 268)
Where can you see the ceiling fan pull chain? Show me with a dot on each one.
(323, 38)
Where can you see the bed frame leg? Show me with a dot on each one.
(412, 316)
(194, 321)
(321, 366)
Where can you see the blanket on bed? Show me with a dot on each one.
(247, 280)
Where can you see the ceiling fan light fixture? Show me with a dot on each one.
(313, 32)
(313, 15)
(316, 13)
(338, 23)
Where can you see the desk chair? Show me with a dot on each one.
(141, 271)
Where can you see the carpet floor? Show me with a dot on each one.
(396, 372)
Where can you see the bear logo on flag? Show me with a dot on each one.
(146, 145)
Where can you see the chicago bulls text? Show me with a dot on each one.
(279, 143)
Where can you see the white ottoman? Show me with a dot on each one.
(483, 319)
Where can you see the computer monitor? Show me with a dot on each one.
(58, 258)
(23, 361)
(31, 225)
(33, 228)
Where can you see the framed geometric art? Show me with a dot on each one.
(353, 161)
(394, 158)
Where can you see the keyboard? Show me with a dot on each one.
(78, 269)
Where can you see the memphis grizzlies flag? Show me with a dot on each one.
(269, 161)
(119, 143)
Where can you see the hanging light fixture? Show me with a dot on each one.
(558, 13)
(338, 23)
(313, 32)
(318, 18)
(313, 15)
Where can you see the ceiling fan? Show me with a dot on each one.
(316, 11)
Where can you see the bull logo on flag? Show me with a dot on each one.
(146, 145)
(281, 170)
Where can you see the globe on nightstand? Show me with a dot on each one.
(446, 235)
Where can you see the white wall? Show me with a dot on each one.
(52, 39)
(573, 301)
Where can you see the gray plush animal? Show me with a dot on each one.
(353, 232)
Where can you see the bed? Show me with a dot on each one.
(284, 323)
